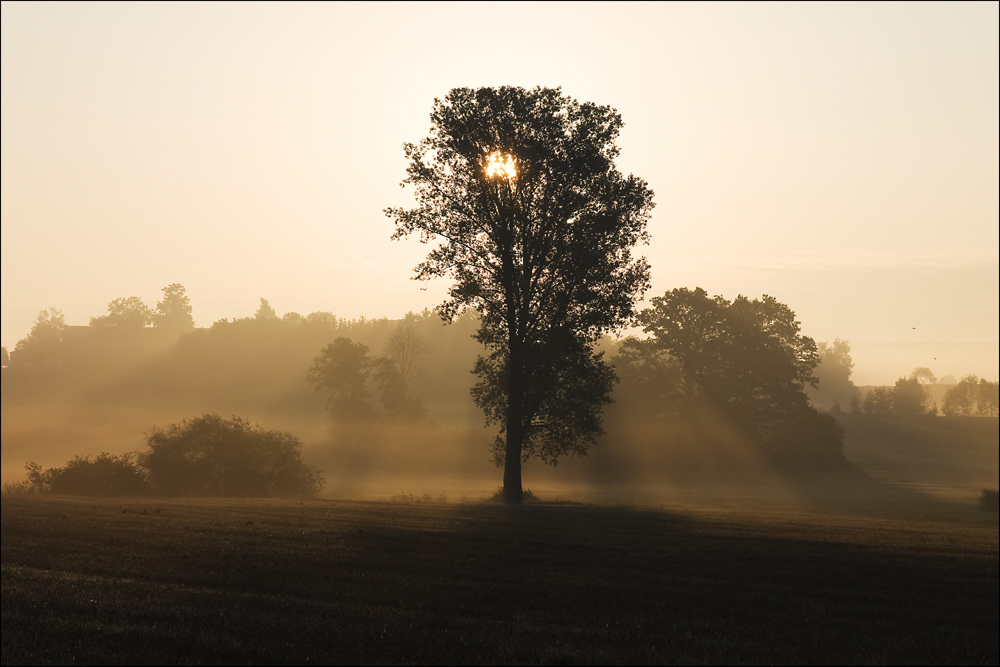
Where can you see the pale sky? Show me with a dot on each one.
(840, 157)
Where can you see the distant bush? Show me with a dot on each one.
(988, 500)
(105, 475)
(212, 456)
(205, 456)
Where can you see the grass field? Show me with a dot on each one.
(155, 581)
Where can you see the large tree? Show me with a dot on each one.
(535, 225)
(745, 357)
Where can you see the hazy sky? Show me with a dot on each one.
(840, 157)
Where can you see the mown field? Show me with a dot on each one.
(156, 581)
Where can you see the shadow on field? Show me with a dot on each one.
(842, 487)
(570, 584)
(126, 581)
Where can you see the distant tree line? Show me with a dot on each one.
(971, 397)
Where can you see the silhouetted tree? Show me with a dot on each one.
(537, 228)
(909, 398)
(6, 358)
(878, 401)
(43, 344)
(343, 368)
(125, 313)
(834, 390)
(265, 313)
(174, 311)
(394, 371)
(747, 357)
(212, 456)
(104, 475)
(972, 397)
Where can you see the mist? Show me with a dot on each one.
(109, 385)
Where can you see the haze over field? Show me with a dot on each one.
(842, 158)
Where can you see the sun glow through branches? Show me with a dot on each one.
(499, 165)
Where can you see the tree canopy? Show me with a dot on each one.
(746, 357)
(174, 311)
(835, 390)
(535, 226)
(972, 397)
(130, 313)
(43, 344)
(212, 456)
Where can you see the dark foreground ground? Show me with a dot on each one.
(152, 581)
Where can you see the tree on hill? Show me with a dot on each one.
(125, 313)
(834, 391)
(536, 228)
(174, 311)
(265, 313)
(43, 344)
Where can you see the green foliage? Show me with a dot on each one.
(543, 251)
(212, 456)
(972, 397)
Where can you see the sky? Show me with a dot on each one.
(841, 157)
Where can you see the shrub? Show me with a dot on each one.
(988, 500)
(212, 456)
(105, 475)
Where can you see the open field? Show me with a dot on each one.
(154, 581)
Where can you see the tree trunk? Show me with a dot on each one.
(512, 492)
